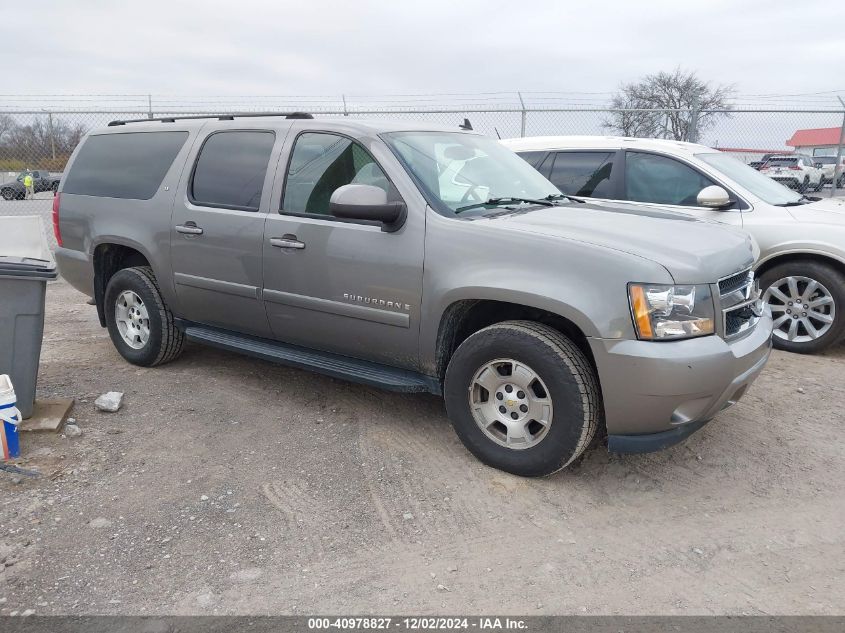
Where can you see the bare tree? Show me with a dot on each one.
(40, 142)
(686, 105)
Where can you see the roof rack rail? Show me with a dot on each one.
(220, 117)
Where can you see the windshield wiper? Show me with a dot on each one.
(563, 196)
(497, 202)
(797, 203)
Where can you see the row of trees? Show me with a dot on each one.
(45, 142)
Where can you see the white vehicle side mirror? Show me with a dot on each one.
(713, 197)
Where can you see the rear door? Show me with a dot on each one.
(342, 286)
(217, 228)
(588, 173)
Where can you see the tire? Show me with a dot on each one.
(164, 341)
(563, 374)
(819, 186)
(802, 188)
(8, 194)
(829, 295)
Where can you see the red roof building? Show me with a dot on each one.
(816, 137)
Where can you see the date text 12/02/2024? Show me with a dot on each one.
(418, 623)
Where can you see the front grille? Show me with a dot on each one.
(739, 295)
(735, 282)
(738, 320)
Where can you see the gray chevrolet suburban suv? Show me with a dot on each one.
(414, 258)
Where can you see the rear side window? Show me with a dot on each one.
(583, 173)
(130, 165)
(532, 158)
(230, 170)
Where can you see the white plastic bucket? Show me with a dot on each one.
(10, 417)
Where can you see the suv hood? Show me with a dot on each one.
(692, 250)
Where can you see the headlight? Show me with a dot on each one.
(671, 312)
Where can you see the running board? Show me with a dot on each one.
(333, 365)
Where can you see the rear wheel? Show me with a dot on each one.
(140, 324)
(807, 300)
(522, 398)
(804, 185)
(8, 194)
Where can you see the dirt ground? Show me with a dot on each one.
(232, 486)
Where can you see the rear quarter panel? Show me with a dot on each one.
(144, 225)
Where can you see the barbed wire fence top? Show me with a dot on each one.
(39, 132)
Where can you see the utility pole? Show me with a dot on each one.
(149, 106)
(524, 115)
(837, 168)
(345, 111)
(692, 126)
(52, 136)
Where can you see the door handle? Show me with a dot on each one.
(189, 228)
(288, 241)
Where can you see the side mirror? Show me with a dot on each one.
(366, 202)
(713, 197)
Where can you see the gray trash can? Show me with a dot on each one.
(26, 264)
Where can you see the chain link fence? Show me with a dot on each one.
(41, 139)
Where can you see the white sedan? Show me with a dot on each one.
(801, 267)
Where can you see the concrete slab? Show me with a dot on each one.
(48, 415)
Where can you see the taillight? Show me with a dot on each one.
(56, 229)
(795, 167)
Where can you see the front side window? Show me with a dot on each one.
(662, 180)
(457, 170)
(583, 173)
(321, 163)
(230, 170)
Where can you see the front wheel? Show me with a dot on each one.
(8, 194)
(522, 398)
(140, 324)
(807, 300)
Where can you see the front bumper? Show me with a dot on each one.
(658, 393)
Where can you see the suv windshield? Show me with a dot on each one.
(458, 170)
(759, 184)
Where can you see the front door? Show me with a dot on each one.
(341, 286)
(217, 229)
(653, 179)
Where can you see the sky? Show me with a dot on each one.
(397, 47)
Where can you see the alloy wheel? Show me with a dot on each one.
(132, 319)
(510, 403)
(802, 308)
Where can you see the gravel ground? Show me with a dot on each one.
(229, 485)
